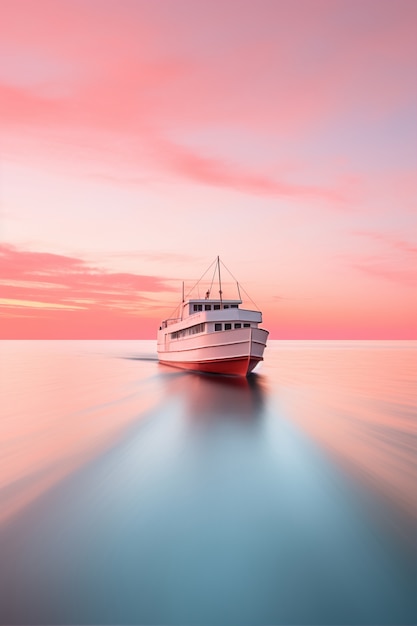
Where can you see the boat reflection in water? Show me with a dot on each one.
(212, 398)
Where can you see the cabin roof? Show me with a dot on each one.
(212, 300)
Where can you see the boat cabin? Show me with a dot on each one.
(196, 306)
(207, 316)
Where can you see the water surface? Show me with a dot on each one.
(134, 493)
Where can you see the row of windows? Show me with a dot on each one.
(228, 326)
(216, 307)
(191, 330)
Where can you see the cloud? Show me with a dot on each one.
(220, 173)
(282, 69)
(400, 275)
(388, 240)
(396, 260)
(151, 150)
(43, 283)
(166, 257)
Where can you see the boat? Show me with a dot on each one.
(212, 334)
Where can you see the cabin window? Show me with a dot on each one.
(198, 307)
(207, 307)
(234, 306)
(198, 328)
(226, 306)
(217, 326)
(246, 325)
(216, 307)
(191, 330)
(227, 326)
(238, 325)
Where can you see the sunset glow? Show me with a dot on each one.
(141, 139)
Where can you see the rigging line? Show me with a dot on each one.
(244, 290)
(212, 280)
(178, 307)
(240, 284)
(171, 315)
(201, 277)
(220, 280)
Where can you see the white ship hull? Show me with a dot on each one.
(229, 352)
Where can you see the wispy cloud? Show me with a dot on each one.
(142, 75)
(166, 257)
(388, 240)
(399, 275)
(395, 259)
(221, 173)
(40, 282)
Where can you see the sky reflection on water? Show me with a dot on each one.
(134, 493)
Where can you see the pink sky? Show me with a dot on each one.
(142, 138)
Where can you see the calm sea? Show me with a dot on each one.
(134, 493)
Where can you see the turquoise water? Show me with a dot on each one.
(134, 493)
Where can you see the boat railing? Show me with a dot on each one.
(171, 320)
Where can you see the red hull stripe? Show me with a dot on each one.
(240, 366)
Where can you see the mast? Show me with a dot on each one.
(220, 279)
